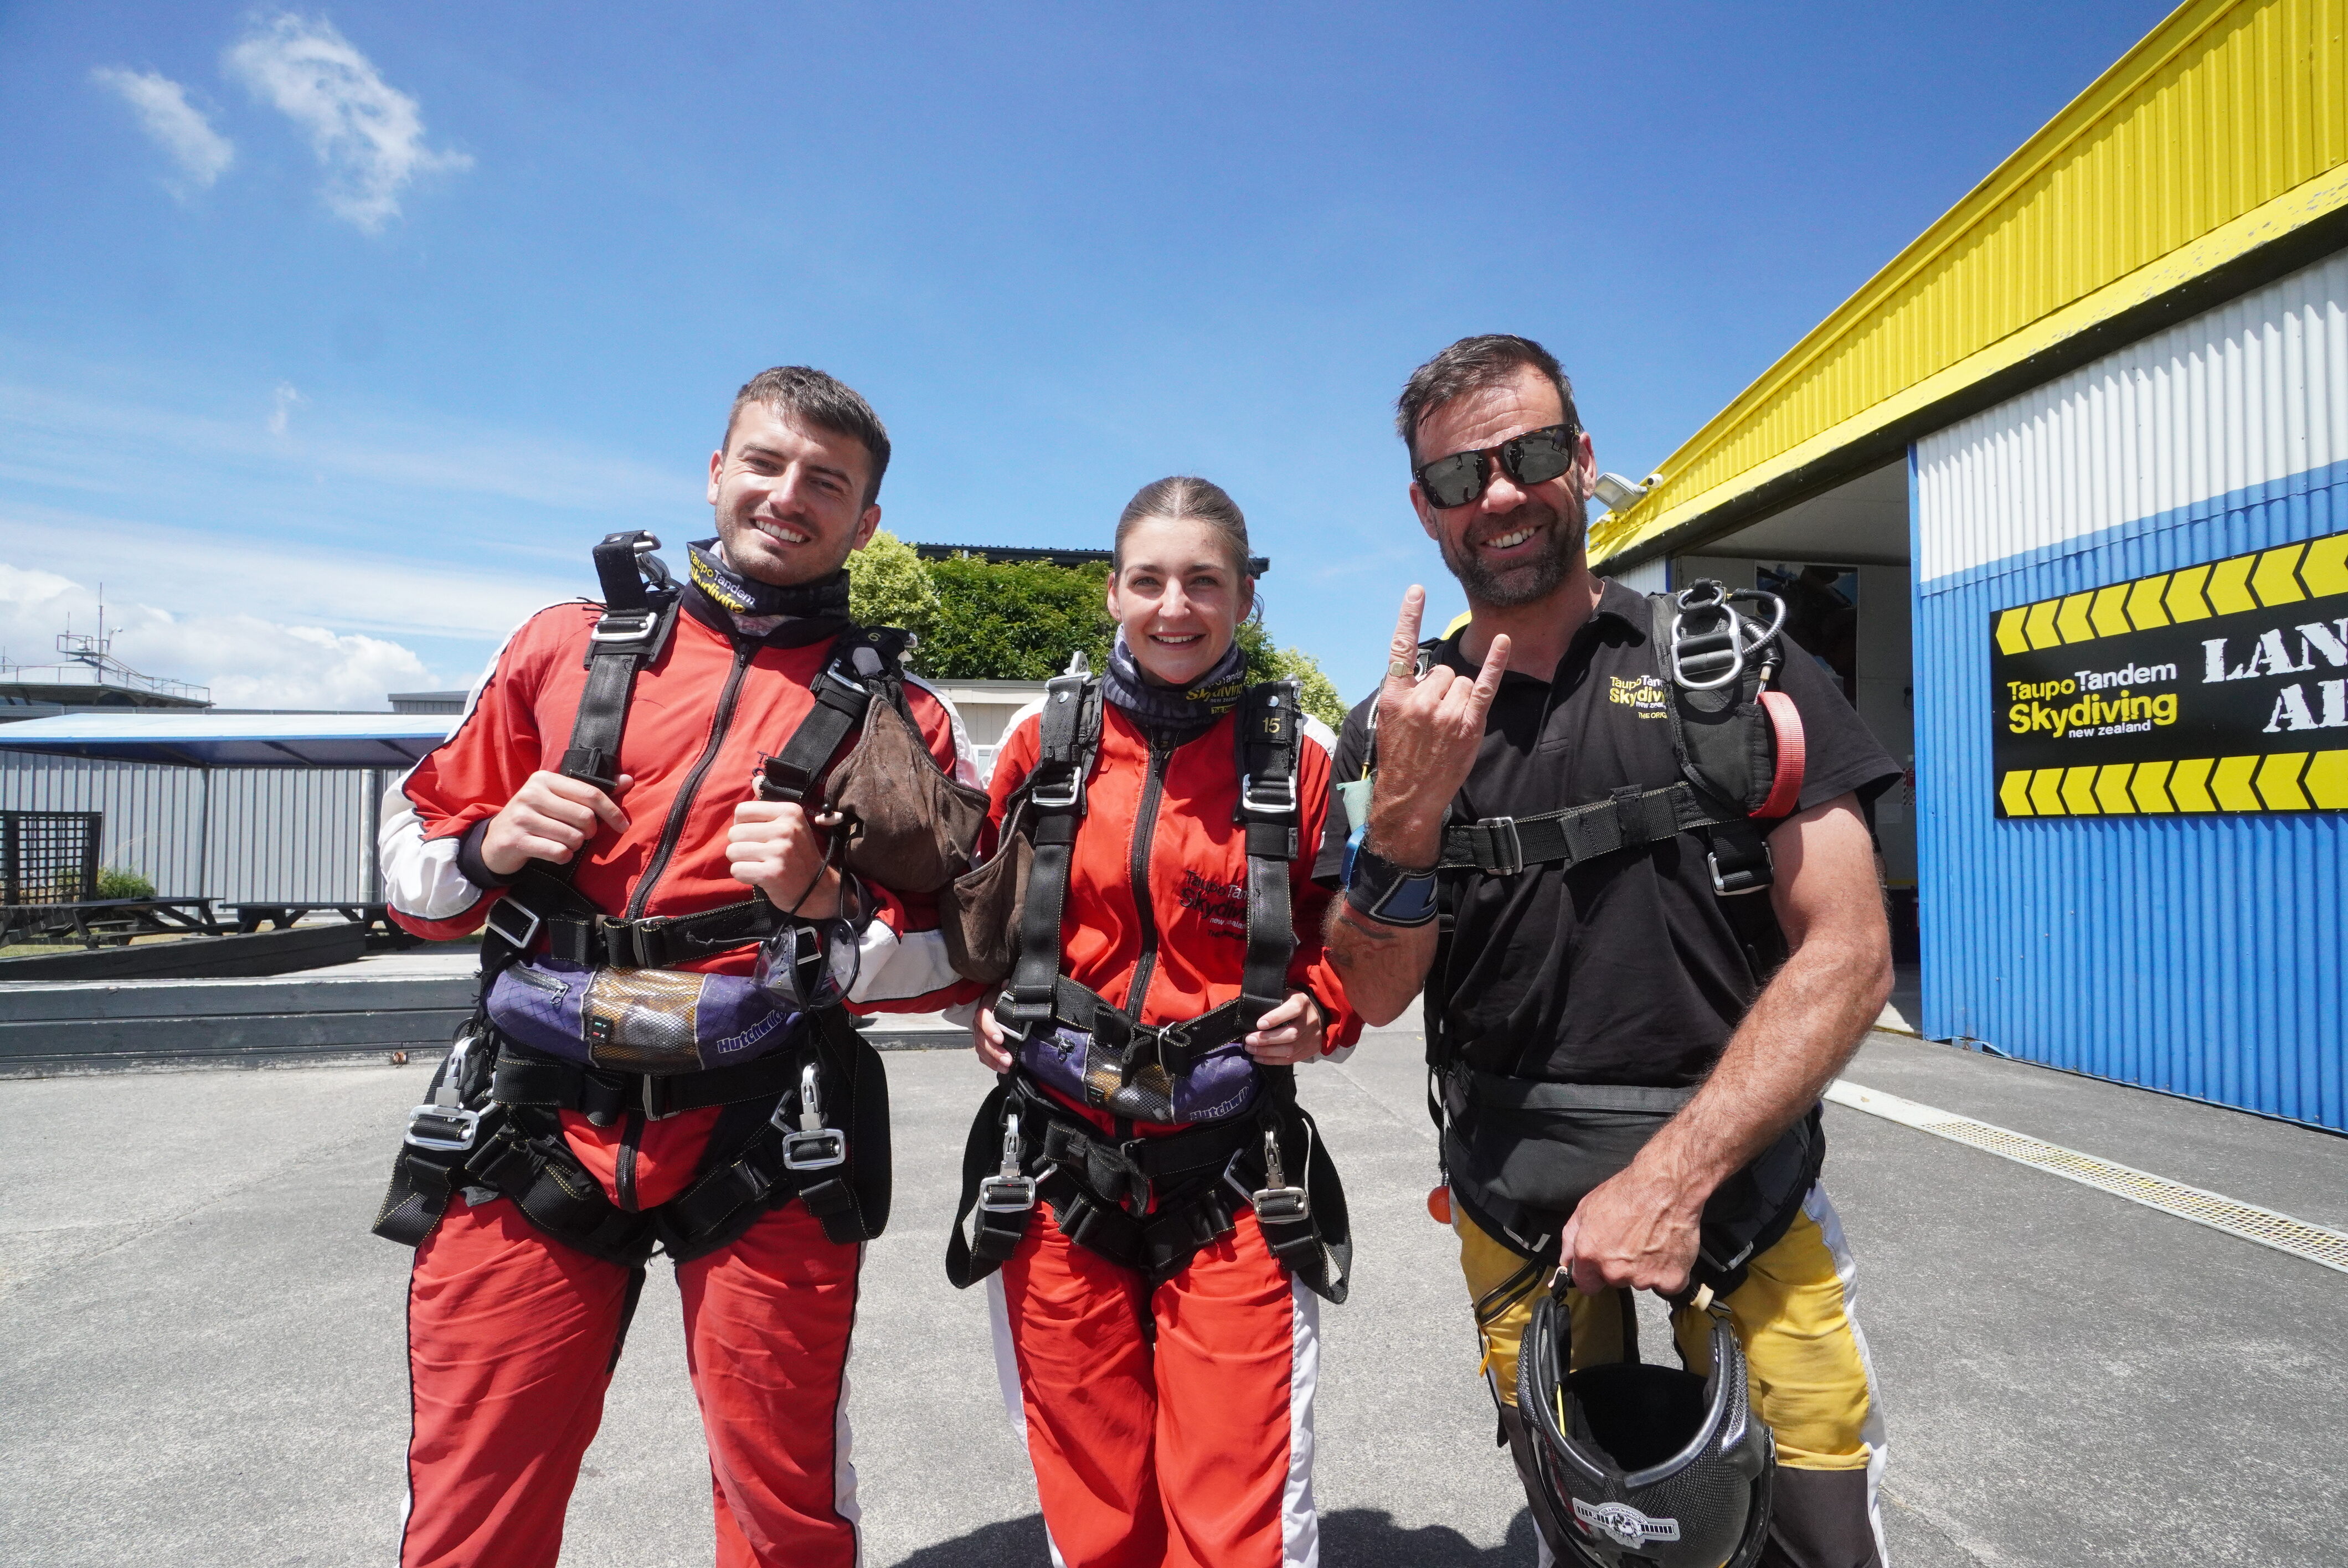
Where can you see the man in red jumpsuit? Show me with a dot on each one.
(513, 1335)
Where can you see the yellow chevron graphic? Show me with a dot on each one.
(2263, 579)
(2283, 780)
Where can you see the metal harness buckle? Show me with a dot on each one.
(1249, 801)
(814, 1146)
(625, 626)
(1073, 794)
(1009, 1190)
(1276, 1200)
(1756, 882)
(1504, 849)
(535, 922)
(442, 1122)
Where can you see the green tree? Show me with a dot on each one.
(1266, 661)
(1315, 690)
(889, 585)
(1013, 620)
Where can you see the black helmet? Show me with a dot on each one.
(1646, 1464)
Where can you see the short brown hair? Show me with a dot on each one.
(1186, 496)
(823, 401)
(1471, 364)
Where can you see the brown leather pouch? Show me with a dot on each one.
(979, 916)
(906, 825)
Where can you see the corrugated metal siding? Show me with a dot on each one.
(2196, 954)
(2225, 107)
(2243, 398)
(293, 833)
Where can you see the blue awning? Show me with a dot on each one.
(235, 739)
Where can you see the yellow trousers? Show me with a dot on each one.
(1805, 1357)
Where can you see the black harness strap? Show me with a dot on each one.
(627, 637)
(525, 1077)
(1266, 731)
(1267, 735)
(1068, 740)
(843, 694)
(1100, 1192)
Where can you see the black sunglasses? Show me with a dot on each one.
(1533, 459)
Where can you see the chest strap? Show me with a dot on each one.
(1628, 818)
(1266, 740)
(634, 628)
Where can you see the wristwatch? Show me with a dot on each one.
(1386, 892)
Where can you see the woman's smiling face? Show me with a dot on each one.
(1179, 597)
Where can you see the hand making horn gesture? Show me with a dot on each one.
(1429, 729)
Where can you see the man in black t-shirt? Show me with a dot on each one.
(1695, 1069)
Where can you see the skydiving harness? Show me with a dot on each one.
(1151, 1204)
(1039, 998)
(1739, 745)
(810, 1122)
(1024, 1148)
(1741, 756)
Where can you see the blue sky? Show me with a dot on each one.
(331, 339)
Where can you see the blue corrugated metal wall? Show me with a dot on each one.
(2199, 955)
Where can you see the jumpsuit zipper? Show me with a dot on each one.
(624, 1170)
(1145, 828)
(743, 653)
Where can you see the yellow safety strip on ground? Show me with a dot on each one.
(2316, 1243)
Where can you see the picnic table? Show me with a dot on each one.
(95, 922)
(280, 917)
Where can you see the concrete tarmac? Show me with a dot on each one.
(202, 1361)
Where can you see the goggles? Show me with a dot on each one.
(1533, 459)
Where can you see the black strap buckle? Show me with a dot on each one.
(1499, 849)
(1744, 879)
(498, 923)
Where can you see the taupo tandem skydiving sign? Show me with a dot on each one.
(2219, 688)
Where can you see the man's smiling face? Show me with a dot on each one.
(1514, 544)
(789, 497)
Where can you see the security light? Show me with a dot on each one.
(1618, 493)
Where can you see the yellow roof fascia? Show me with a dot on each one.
(2298, 62)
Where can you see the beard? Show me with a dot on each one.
(1527, 582)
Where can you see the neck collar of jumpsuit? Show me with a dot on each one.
(803, 612)
(1179, 709)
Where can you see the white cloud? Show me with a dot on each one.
(368, 135)
(285, 398)
(247, 660)
(178, 127)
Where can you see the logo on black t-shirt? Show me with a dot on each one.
(1642, 694)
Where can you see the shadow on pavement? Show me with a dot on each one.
(1364, 1536)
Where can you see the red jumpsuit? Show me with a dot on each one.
(1196, 1449)
(512, 1336)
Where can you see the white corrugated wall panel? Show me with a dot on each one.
(296, 835)
(2249, 394)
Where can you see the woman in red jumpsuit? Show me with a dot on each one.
(1169, 1420)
